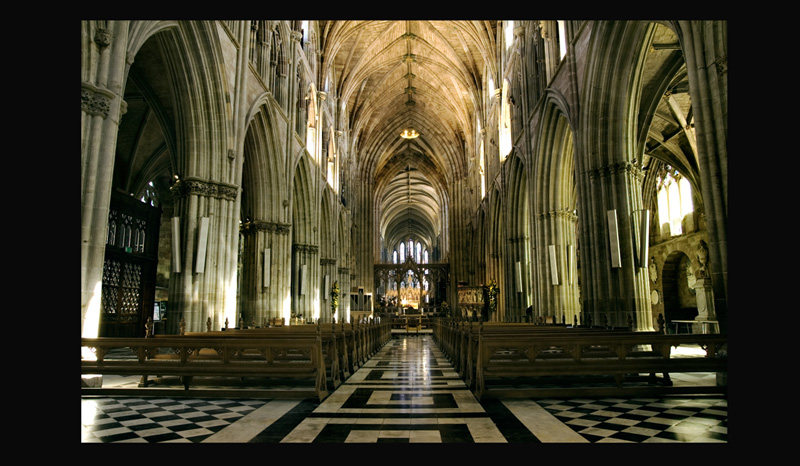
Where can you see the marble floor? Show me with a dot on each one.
(406, 393)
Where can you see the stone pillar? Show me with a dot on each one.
(704, 45)
(328, 268)
(344, 293)
(200, 279)
(366, 227)
(101, 109)
(616, 287)
(265, 252)
(305, 300)
(557, 285)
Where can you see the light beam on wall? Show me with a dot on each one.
(267, 267)
(176, 244)
(613, 239)
(202, 245)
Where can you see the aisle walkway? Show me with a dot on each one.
(407, 393)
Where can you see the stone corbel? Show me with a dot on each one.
(102, 37)
(96, 101)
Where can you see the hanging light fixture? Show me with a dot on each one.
(409, 134)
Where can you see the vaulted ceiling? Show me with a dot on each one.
(667, 121)
(426, 76)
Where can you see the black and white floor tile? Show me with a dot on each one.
(407, 393)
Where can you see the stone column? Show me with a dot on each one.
(366, 226)
(199, 281)
(328, 268)
(266, 252)
(615, 288)
(705, 47)
(305, 271)
(101, 109)
(557, 285)
(344, 293)
(517, 287)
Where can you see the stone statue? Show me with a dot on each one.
(702, 260)
(652, 270)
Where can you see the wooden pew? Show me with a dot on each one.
(544, 356)
(294, 355)
(340, 347)
(330, 342)
(500, 330)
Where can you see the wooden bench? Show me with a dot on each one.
(345, 346)
(527, 363)
(289, 355)
(329, 338)
(459, 340)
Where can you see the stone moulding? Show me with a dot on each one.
(306, 248)
(274, 227)
(198, 187)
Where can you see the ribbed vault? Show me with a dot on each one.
(425, 76)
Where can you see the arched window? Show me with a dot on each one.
(149, 196)
(311, 130)
(508, 31)
(674, 200)
(505, 123)
(332, 161)
(562, 39)
(481, 161)
(394, 256)
(402, 252)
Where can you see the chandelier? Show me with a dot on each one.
(409, 134)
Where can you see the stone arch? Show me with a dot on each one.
(555, 213)
(263, 175)
(343, 264)
(207, 186)
(265, 232)
(517, 262)
(609, 176)
(496, 248)
(305, 248)
(677, 288)
(327, 255)
(162, 63)
(480, 243)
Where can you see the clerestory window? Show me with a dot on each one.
(674, 200)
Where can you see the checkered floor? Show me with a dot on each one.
(407, 393)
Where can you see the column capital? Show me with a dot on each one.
(96, 101)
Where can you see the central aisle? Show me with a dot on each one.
(409, 392)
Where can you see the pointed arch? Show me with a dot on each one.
(518, 248)
(555, 210)
(496, 248)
